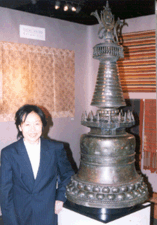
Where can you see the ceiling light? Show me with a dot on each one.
(66, 7)
(57, 5)
(73, 8)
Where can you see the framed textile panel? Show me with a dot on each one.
(145, 132)
(36, 75)
(137, 69)
(150, 136)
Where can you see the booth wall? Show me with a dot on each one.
(59, 34)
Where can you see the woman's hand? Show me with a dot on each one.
(58, 206)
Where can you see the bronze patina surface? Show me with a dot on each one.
(107, 177)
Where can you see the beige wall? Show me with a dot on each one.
(59, 34)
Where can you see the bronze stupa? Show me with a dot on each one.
(107, 177)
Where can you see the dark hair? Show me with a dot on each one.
(24, 111)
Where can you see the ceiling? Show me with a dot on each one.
(124, 9)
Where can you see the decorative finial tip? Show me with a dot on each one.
(108, 27)
(107, 4)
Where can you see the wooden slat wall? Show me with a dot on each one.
(150, 135)
(137, 69)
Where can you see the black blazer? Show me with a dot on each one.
(29, 201)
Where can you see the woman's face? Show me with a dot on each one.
(31, 128)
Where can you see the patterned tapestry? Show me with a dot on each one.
(150, 136)
(145, 132)
(137, 69)
(36, 75)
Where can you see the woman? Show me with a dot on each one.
(30, 171)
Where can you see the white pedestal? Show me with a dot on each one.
(139, 217)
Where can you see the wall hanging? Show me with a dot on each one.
(36, 75)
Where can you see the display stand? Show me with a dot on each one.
(73, 214)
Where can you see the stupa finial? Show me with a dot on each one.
(108, 26)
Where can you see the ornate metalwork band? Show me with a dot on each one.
(106, 196)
